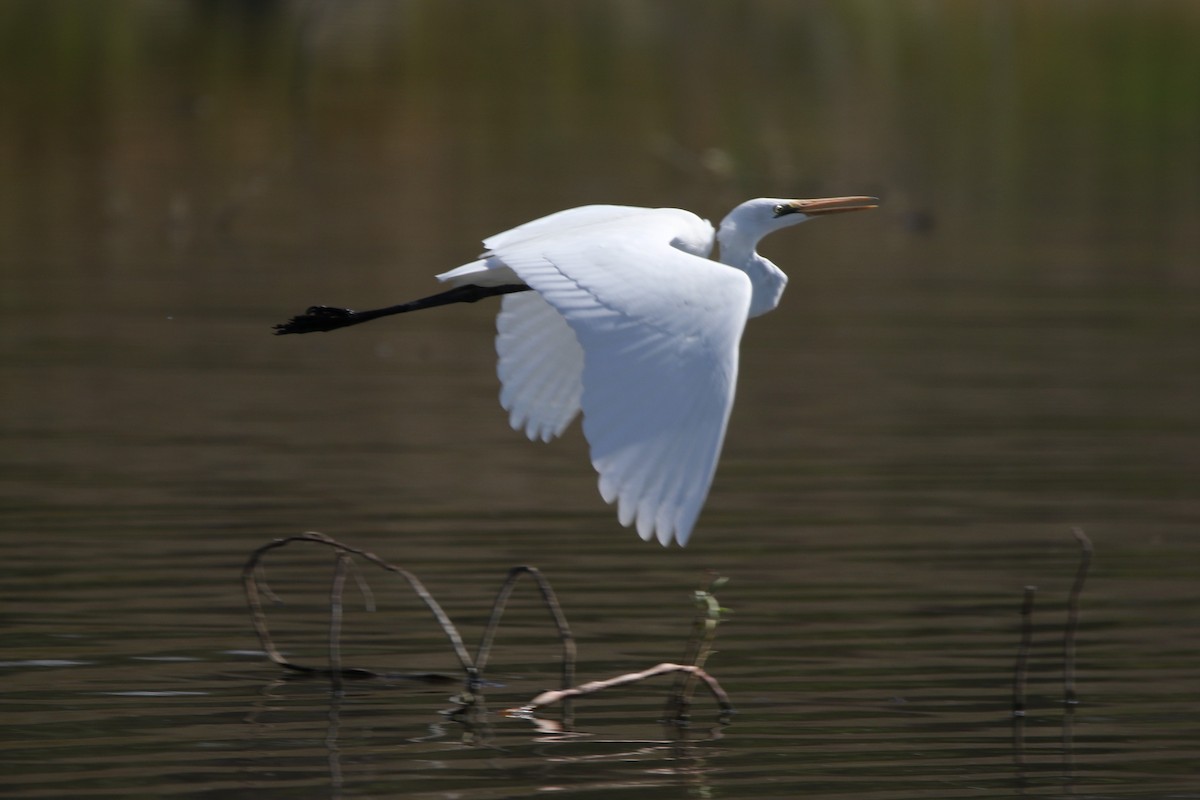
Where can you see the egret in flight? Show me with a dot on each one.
(619, 312)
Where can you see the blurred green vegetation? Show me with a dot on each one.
(1046, 122)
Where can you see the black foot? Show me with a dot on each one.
(318, 318)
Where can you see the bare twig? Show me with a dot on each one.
(1085, 561)
(552, 605)
(546, 698)
(364, 588)
(335, 618)
(253, 578)
(260, 575)
(1019, 670)
(250, 573)
(250, 582)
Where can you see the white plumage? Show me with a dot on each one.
(629, 321)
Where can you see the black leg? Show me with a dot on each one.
(328, 318)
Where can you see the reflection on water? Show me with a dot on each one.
(876, 664)
(1007, 349)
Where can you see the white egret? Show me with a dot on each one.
(630, 321)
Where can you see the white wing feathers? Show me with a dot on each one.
(560, 223)
(491, 271)
(653, 359)
(540, 366)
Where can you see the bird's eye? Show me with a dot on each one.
(779, 210)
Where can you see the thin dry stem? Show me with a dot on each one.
(546, 698)
(1020, 669)
(1085, 562)
(552, 605)
(335, 617)
(250, 580)
(253, 577)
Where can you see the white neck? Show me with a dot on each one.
(766, 279)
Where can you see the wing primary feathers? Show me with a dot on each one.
(540, 367)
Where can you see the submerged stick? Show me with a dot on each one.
(1085, 561)
(250, 577)
(254, 582)
(335, 618)
(1020, 668)
(552, 605)
(546, 698)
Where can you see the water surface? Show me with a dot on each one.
(1006, 350)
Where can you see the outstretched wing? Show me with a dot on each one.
(540, 360)
(566, 222)
(659, 330)
(489, 270)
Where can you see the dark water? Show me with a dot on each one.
(1006, 350)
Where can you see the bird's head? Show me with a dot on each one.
(741, 230)
(754, 219)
